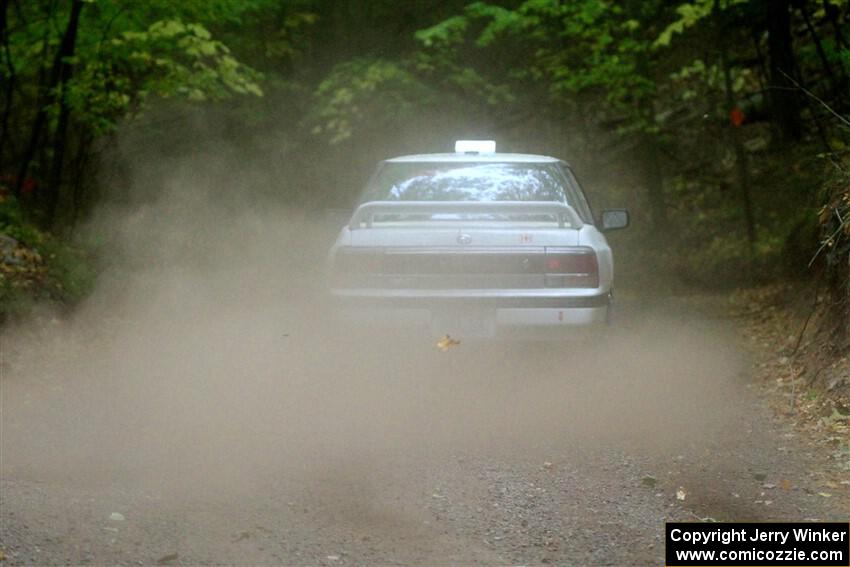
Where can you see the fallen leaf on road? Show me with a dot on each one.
(681, 494)
(446, 343)
(648, 480)
(824, 494)
(785, 484)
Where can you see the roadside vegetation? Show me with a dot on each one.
(38, 269)
(722, 124)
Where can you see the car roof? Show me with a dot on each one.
(476, 158)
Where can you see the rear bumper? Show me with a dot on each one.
(484, 317)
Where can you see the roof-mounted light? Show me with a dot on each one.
(475, 146)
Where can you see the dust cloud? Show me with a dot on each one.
(207, 363)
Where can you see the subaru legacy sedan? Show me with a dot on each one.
(476, 244)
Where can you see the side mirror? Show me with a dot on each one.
(614, 219)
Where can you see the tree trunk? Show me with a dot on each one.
(4, 7)
(741, 158)
(61, 72)
(66, 71)
(654, 183)
(8, 80)
(832, 13)
(784, 98)
(834, 81)
(80, 167)
(38, 123)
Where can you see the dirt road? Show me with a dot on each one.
(243, 438)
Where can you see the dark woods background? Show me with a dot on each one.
(722, 124)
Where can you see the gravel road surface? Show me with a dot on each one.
(244, 438)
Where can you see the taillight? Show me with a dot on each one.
(571, 267)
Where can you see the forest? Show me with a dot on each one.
(722, 124)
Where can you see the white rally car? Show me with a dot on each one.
(475, 244)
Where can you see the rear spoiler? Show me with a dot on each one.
(561, 211)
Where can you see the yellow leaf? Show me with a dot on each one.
(446, 343)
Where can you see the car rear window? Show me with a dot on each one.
(475, 181)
